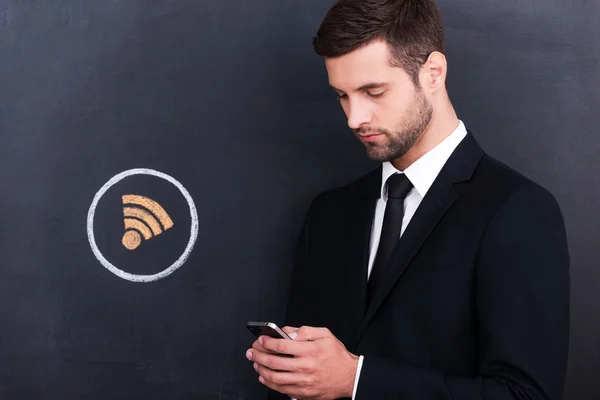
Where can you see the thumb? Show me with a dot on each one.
(309, 333)
(290, 330)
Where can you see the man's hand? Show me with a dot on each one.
(321, 368)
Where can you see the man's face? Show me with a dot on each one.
(385, 110)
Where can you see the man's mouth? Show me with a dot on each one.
(369, 137)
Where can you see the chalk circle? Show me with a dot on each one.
(193, 230)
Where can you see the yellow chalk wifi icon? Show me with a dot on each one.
(144, 218)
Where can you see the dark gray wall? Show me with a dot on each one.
(228, 98)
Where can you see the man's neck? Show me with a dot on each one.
(438, 129)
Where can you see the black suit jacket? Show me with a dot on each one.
(475, 304)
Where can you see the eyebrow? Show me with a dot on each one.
(372, 85)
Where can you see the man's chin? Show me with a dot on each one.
(379, 154)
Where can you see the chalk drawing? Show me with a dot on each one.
(144, 221)
(132, 237)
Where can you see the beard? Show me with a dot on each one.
(407, 133)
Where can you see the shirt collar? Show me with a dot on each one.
(422, 173)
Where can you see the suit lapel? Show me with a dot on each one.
(430, 211)
(440, 197)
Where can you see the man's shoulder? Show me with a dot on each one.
(367, 184)
(495, 179)
(338, 198)
(491, 168)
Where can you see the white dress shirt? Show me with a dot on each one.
(422, 174)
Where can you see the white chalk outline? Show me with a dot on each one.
(193, 230)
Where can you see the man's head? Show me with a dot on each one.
(385, 60)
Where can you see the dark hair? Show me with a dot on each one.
(413, 29)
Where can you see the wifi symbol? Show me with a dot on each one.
(145, 218)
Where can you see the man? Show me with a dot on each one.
(443, 274)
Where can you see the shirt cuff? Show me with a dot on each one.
(360, 362)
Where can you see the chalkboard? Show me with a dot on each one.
(157, 159)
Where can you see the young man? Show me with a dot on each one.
(443, 274)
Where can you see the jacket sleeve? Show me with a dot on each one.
(522, 301)
(298, 311)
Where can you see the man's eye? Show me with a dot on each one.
(375, 95)
(341, 96)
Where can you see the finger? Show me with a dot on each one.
(293, 385)
(277, 362)
(281, 381)
(283, 346)
(290, 330)
(309, 333)
(259, 347)
(256, 348)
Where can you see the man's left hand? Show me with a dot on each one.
(321, 368)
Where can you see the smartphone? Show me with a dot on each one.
(268, 329)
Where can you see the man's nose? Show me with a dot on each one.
(358, 116)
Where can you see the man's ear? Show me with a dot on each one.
(433, 72)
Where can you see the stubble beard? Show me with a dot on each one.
(407, 133)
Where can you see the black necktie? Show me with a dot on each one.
(398, 186)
